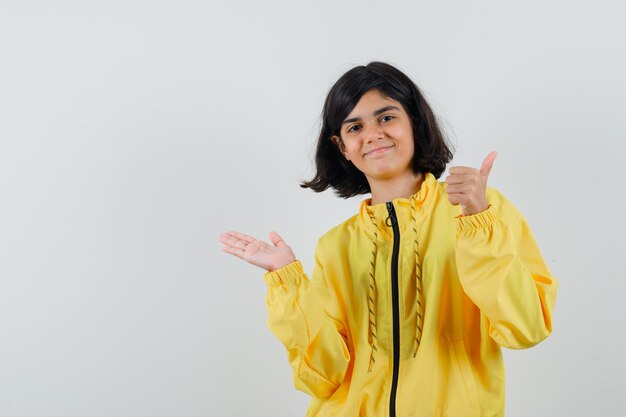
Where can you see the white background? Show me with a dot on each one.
(133, 132)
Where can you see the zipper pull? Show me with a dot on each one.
(391, 220)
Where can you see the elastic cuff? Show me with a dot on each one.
(475, 221)
(288, 273)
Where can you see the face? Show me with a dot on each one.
(377, 137)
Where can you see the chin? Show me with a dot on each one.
(384, 175)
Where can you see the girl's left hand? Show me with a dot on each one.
(468, 186)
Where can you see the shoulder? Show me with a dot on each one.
(338, 236)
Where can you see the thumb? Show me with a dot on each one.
(485, 169)
(276, 239)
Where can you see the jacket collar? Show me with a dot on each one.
(374, 216)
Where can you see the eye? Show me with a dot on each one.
(387, 118)
(353, 128)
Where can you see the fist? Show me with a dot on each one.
(468, 186)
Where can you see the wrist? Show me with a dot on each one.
(283, 263)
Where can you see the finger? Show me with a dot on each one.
(245, 238)
(462, 170)
(461, 179)
(233, 251)
(232, 241)
(276, 239)
(454, 199)
(485, 169)
(459, 189)
(458, 199)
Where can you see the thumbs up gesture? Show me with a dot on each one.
(468, 186)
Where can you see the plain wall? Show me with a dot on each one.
(133, 132)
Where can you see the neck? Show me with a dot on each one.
(389, 189)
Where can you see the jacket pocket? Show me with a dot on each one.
(462, 370)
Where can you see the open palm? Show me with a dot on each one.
(257, 252)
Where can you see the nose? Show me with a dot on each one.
(372, 132)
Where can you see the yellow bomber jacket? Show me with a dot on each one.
(409, 305)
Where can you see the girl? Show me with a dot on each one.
(412, 298)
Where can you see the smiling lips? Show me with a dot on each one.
(378, 150)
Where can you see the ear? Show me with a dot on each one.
(339, 143)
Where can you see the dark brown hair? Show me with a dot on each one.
(432, 151)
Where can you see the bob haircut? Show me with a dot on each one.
(432, 152)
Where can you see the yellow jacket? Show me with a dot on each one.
(406, 317)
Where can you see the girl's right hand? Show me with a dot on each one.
(258, 252)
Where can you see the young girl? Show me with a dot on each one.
(412, 298)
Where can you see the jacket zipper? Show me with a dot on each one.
(392, 221)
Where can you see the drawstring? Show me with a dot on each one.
(371, 295)
(371, 292)
(419, 320)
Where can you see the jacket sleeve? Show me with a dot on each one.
(304, 317)
(502, 271)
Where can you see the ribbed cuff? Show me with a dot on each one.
(475, 221)
(288, 273)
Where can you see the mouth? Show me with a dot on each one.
(377, 151)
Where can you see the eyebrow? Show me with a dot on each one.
(376, 113)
